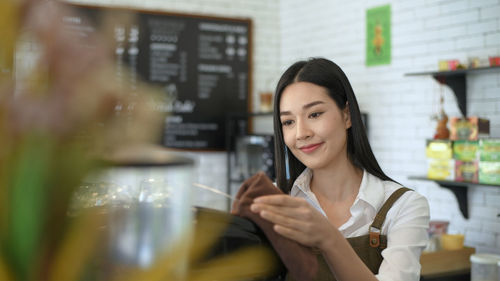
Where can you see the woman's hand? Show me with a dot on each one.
(296, 219)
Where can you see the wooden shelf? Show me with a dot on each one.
(456, 72)
(451, 183)
(446, 262)
(459, 189)
(456, 80)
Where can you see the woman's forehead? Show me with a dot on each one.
(300, 93)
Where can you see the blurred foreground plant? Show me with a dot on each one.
(55, 124)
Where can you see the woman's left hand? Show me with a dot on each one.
(295, 219)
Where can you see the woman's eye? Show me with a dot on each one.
(287, 123)
(315, 114)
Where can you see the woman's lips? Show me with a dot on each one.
(310, 148)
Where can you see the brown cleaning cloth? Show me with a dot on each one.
(300, 261)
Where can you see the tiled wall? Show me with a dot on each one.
(400, 107)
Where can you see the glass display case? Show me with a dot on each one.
(145, 195)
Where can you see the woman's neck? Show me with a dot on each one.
(337, 183)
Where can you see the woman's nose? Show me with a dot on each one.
(303, 130)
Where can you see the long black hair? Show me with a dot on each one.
(327, 74)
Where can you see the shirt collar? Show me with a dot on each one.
(371, 191)
(302, 183)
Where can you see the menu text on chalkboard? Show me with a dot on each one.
(201, 63)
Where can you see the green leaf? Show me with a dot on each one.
(27, 214)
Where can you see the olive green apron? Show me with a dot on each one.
(368, 247)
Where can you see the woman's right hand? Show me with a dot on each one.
(296, 219)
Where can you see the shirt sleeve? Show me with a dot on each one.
(406, 238)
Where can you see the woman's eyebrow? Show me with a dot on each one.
(312, 104)
(306, 106)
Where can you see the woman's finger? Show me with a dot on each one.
(292, 234)
(302, 213)
(279, 219)
(280, 200)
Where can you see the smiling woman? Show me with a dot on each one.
(363, 225)
(322, 75)
(314, 128)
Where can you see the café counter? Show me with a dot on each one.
(446, 265)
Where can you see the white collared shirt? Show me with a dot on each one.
(405, 225)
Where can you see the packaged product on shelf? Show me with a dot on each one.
(489, 172)
(440, 169)
(470, 128)
(439, 149)
(467, 171)
(445, 65)
(465, 150)
(489, 149)
(494, 61)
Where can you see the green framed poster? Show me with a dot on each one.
(378, 35)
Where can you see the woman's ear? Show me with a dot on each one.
(347, 116)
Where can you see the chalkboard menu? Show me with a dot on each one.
(201, 63)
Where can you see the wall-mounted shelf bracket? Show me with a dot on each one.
(461, 194)
(457, 81)
(459, 189)
(458, 85)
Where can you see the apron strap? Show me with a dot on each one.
(376, 226)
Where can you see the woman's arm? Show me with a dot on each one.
(296, 219)
(407, 236)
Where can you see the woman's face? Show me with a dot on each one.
(314, 128)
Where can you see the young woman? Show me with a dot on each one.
(340, 201)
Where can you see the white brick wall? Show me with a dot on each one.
(400, 107)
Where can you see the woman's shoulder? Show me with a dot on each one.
(409, 209)
(410, 202)
(377, 191)
(390, 187)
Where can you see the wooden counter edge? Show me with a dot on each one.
(446, 262)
